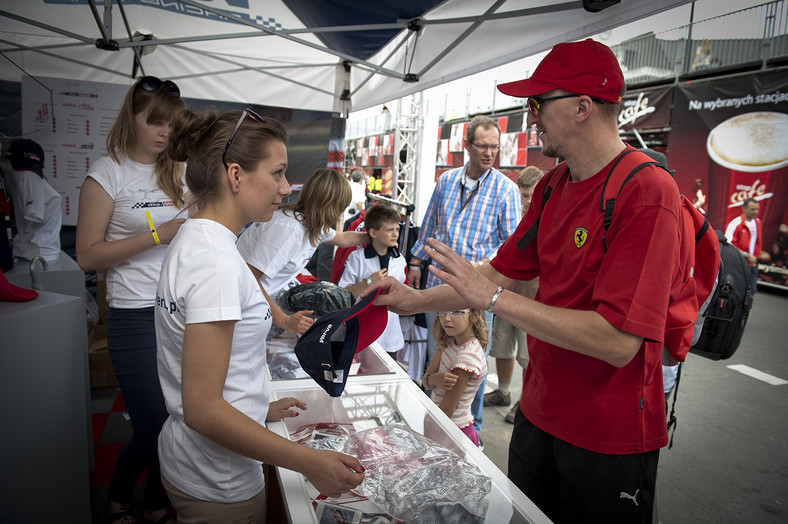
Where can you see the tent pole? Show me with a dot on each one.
(105, 26)
(137, 50)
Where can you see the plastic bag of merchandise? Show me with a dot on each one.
(413, 478)
(321, 297)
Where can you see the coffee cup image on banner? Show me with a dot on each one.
(752, 142)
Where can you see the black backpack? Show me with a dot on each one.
(722, 318)
(720, 326)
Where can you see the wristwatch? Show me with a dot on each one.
(494, 299)
(369, 281)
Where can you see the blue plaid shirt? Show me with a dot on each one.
(477, 231)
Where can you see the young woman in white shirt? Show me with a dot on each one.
(130, 207)
(211, 320)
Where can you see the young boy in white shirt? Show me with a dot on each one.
(377, 260)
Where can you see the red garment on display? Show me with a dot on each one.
(12, 293)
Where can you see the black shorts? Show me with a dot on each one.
(570, 484)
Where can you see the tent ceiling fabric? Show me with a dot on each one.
(292, 53)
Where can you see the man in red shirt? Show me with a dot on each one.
(585, 444)
(745, 233)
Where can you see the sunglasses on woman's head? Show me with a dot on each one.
(152, 84)
(253, 116)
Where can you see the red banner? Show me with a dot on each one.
(728, 143)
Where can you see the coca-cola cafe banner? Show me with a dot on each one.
(729, 142)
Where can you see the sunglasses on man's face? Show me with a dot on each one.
(535, 103)
(254, 116)
(152, 84)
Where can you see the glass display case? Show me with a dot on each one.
(370, 364)
(368, 404)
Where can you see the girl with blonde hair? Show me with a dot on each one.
(130, 207)
(209, 318)
(278, 250)
(458, 367)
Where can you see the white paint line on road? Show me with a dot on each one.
(760, 375)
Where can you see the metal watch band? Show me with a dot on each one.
(494, 299)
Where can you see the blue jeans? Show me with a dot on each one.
(754, 278)
(477, 406)
(131, 341)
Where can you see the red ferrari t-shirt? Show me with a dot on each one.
(580, 399)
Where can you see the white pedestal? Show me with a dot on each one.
(67, 278)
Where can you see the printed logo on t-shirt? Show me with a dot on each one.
(581, 235)
(142, 205)
(149, 198)
(169, 306)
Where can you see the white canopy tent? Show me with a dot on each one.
(307, 54)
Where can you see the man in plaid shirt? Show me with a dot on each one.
(473, 209)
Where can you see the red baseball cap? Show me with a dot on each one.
(584, 68)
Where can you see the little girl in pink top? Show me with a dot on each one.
(458, 367)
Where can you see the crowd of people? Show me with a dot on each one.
(188, 213)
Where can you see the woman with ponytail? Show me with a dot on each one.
(211, 321)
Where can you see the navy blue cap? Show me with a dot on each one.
(327, 348)
(26, 155)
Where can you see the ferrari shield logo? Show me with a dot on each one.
(581, 234)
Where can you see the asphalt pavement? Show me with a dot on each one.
(729, 460)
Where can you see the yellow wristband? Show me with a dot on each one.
(152, 228)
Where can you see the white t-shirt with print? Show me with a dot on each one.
(204, 279)
(280, 248)
(357, 268)
(133, 187)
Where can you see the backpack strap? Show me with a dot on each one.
(702, 231)
(611, 189)
(529, 235)
(614, 183)
(673, 421)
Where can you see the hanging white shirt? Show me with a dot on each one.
(38, 216)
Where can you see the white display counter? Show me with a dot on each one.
(368, 403)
